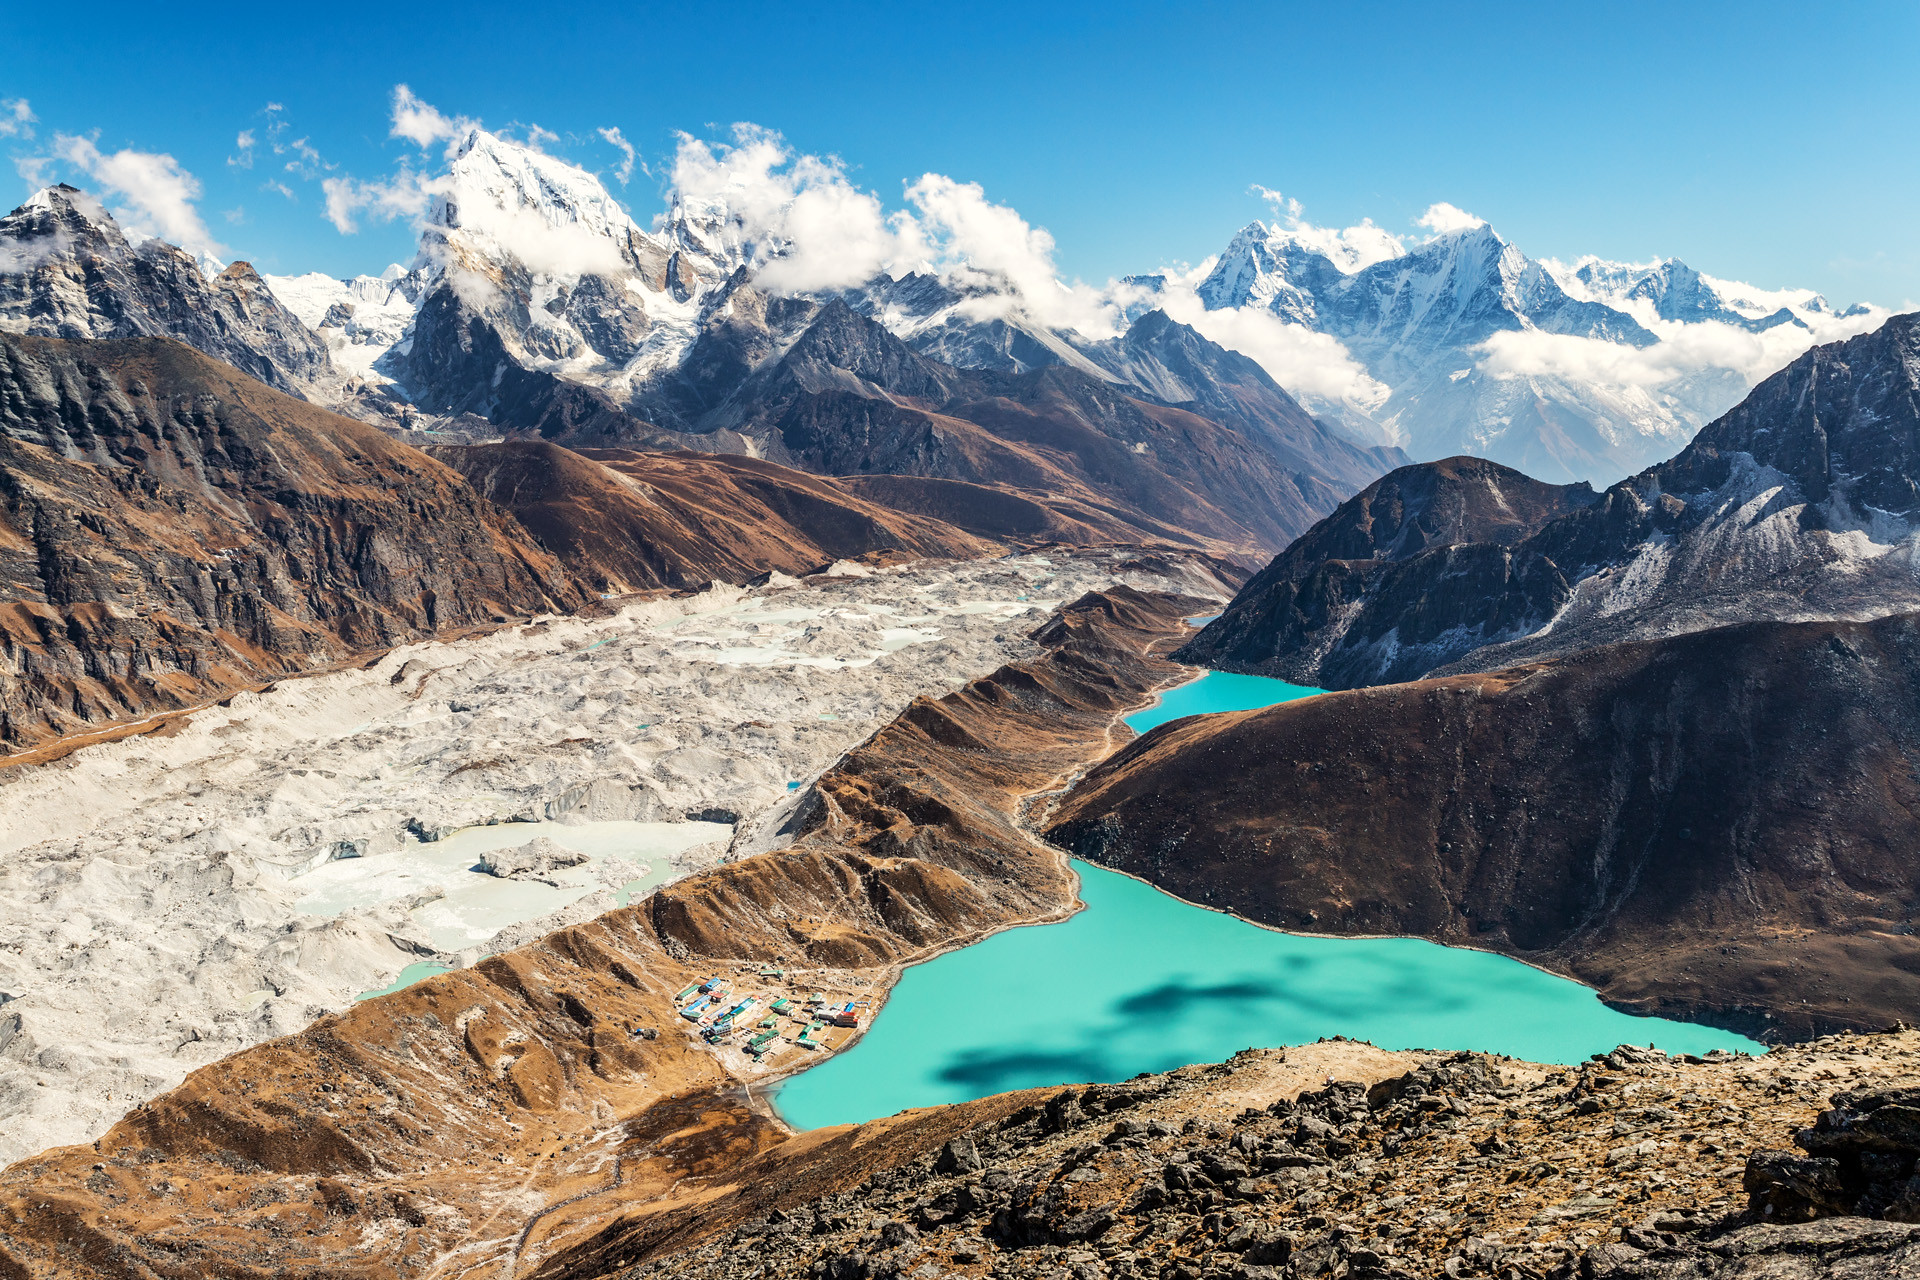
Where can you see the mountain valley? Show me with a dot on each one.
(474, 732)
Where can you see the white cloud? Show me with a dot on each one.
(404, 195)
(1348, 248)
(1444, 219)
(624, 169)
(243, 142)
(1684, 351)
(1314, 367)
(811, 227)
(34, 169)
(158, 192)
(16, 118)
(422, 124)
(965, 236)
(308, 162)
(274, 184)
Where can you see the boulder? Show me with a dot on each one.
(535, 860)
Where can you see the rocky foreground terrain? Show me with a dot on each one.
(1336, 1159)
(153, 912)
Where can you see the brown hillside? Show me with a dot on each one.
(1720, 826)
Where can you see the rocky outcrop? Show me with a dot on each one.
(1364, 574)
(1860, 1159)
(1801, 503)
(67, 271)
(171, 529)
(537, 860)
(626, 521)
(1329, 1159)
(1718, 827)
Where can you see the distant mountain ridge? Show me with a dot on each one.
(1423, 322)
(536, 303)
(1802, 503)
(537, 306)
(67, 271)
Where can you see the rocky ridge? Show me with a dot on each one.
(1327, 1159)
(171, 530)
(1427, 321)
(67, 271)
(1799, 504)
(625, 521)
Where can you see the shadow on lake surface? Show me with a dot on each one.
(1141, 981)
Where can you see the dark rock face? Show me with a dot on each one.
(1799, 503)
(1175, 364)
(1832, 1249)
(1718, 826)
(1443, 528)
(1860, 1159)
(173, 529)
(66, 271)
(1237, 464)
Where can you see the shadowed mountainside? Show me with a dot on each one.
(1718, 827)
(1801, 503)
(171, 529)
(1235, 465)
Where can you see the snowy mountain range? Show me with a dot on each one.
(1582, 372)
(536, 299)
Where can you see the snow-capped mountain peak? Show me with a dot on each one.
(488, 175)
(69, 270)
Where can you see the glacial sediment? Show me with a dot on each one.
(478, 1122)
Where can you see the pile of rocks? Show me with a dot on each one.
(536, 860)
(1859, 1160)
(1627, 1167)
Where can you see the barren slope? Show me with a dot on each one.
(1719, 827)
(171, 529)
(628, 521)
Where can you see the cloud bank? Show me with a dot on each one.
(156, 193)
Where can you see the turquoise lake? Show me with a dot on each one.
(1141, 981)
(1216, 691)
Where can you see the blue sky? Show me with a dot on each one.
(1767, 142)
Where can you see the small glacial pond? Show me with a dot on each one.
(419, 971)
(1217, 691)
(1141, 981)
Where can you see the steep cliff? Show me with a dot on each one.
(171, 529)
(67, 271)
